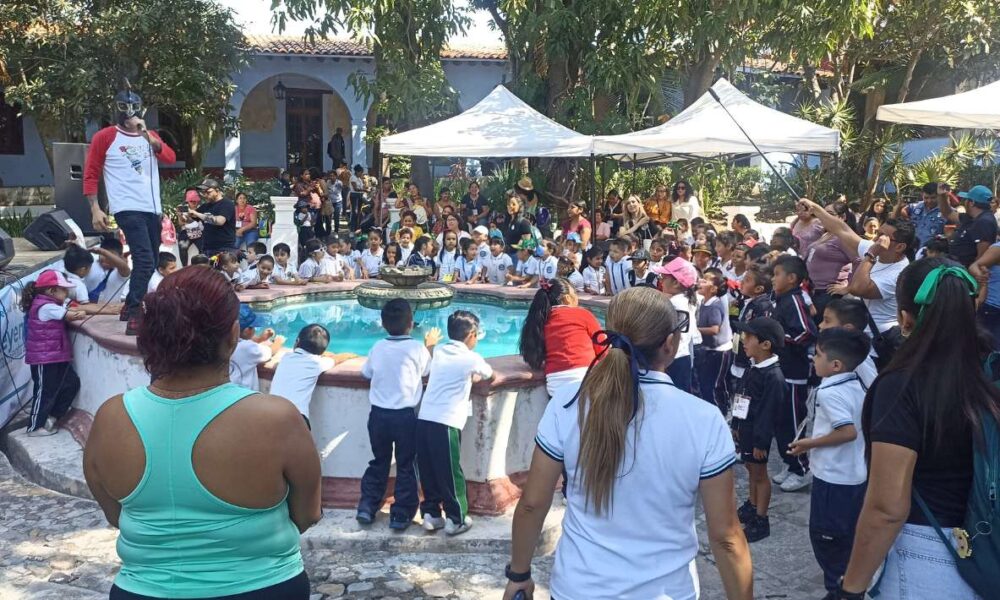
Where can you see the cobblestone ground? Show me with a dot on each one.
(59, 547)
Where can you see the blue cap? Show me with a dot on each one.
(979, 194)
(247, 316)
(496, 233)
(539, 251)
(574, 237)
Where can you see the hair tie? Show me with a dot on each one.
(637, 362)
(545, 284)
(928, 289)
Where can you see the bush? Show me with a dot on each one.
(258, 192)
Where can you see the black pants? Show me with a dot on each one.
(355, 222)
(142, 232)
(439, 463)
(791, 413)
(391, 431)
(833, 516)
(296, 588)
(55, 387)
(322, 226)
(708, 365)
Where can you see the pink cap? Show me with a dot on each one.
(680, 269)
(192, 197)
(52, 279)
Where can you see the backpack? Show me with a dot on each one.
(978, 554)
(885, 343)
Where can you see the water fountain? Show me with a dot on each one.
(409, 283)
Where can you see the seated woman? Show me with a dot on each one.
(213, 504)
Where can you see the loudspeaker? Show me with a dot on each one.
(50, 231)
(67, 171)
(6, 249)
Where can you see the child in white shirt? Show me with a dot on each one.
(284, 274)
(548, 262)
(371, 258)
(467, 267)
(319, 267)
(480, 235)
(261, 277)
(617, 267)
(527, 266)
(251, 351)
(568, 270)
(297, 373)
(165, 265)
(594, 273)
(445, 408)
(498, 265)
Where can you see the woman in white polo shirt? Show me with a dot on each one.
(635, 464)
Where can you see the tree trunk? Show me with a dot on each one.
(904, 88)
(699, 78)
(810, 82)
(875, 99)
(420, 174)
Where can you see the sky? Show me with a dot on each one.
(255, 16)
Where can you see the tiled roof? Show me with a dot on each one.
(276, 44)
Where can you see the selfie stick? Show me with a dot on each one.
(795, 195)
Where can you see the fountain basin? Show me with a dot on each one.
(408, 283)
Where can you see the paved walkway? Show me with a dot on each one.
(54, 546)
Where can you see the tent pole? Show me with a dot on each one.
(593, 189)
(634, 174)
(604, 177)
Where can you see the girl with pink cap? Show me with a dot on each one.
(678, 280)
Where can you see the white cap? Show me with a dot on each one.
(481, 230)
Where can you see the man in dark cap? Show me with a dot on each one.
(218, 214)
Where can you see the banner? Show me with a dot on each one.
(15, 375)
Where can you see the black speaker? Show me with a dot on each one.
(67, 172)
(49, 231)
(6, 249)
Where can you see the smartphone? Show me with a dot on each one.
(183, 208)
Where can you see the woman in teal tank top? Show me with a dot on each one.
(209, 483)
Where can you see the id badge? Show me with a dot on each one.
(741, 406)
(239, 223)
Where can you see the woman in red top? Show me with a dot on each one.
(246, 222)
(558, 336)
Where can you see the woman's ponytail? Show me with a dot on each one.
(532, 342)
(28, 296)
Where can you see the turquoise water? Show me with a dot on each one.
(354, 328)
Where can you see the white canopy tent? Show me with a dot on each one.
(975, 109)
(704, 130)
(500, 125)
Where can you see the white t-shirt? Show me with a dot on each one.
(116, 288)
(593, 279)
(282, 273)
(484, 253)
(154, 282)
(838, 403)
(371, 262)
(396, 367)
(243, 363)
(446, 399)
(296, 377)
(52, 312)
(576, 280)
(466, 269)
(548, 268)
(884, 276)
(618, 273)
(527, 268)
(252, 277)
(681, 441)
(79, 290)
(497, 268)
(688, 209)
(686, 345)
(405, 252)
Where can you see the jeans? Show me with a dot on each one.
(247, 239)
(391, 431)
(680, 373)
(919, 567)
(833, 516)
(142, 232)
(355, 221)
(989, 318)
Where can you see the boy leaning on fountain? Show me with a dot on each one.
(396, 367)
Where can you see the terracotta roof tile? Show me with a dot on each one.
(276, 44)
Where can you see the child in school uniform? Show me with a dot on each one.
(298, 371)
(444, 410)
(527, 265)
(640, 274)
(318, 267)
(371, 258)
(166, 264)
(396, 367)
(261, 277)
(499, 264)
(851, 313)
(755, 289)
(791, 312)
(616, 267)
(568, 270)
(107, 280)
(593, 273)
(467, 268)
(252, 350)
(548, 262)
(350, 258)
(284, 273)
(481, 236)
(758, 393)
(836, 450)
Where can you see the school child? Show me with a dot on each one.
(851, 313)
(448, 256)
(108, 276)
(252, 350)
(283, 273)
(717, 338)
(253, 253)
(568, 270)
(304, 221)
(390, 258)
(77, 263)
(790, 310)
(396, 367)
(684, 232)
(371, 258)
(349, 257)
(405, 237)
(679, 282)
(571, 249)
(640, 274)
(527, 265)
(48, 350)
(298, 371)
(332, 262)
(755, 289)
(444, 410)
(422, 253)
(495, 231)
(836, 451)
(738, 262)
(318, 267)
(499, 264)
(702, 257)
(200, 260)
(759, 392)
(261, 277)
(229, 265)
(634, 243)
(481, 236)
(467, 267)
(616, 267)
(557, 336)
(166, 263)
(548, 262)
(657, 253)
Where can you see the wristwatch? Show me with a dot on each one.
(841, 594)
(871, 257)
(516, 577)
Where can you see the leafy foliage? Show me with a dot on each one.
(258, 192)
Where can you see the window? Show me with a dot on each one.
(11, 128)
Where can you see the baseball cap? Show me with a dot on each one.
(481, 230)
(979, 194)
(207, 184)
(680, 269)
(574, 237)
(702, 248)
(639, 254)
(764, 329)
(52, 279)
(496, 234)
(525, 245)
(247, 316)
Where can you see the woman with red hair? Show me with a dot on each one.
(209, 483)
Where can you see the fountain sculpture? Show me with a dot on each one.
(409, 283)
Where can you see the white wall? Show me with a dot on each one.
(28, 169)
(473, 80)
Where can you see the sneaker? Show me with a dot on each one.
(781, 476)
(796, 482)
(364, 517)
(830, 596)
(757, 529)
(455, 529)
(132, 327)
(399, 524)
(41, 432)
(433, 523)
(50, 424)
(746, 512)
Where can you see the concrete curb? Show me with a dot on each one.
(54, 462)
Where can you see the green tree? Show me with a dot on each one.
(63, 61)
